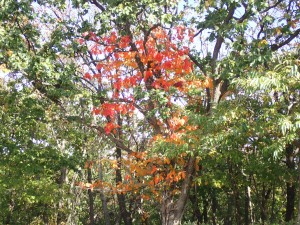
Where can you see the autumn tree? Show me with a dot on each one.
(177, 100)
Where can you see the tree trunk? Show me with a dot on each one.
(91, 198)
(236, 193)
(63, 178)
(290, 204)
(214, 206)
(172, 211)
(250, 205)
(103, 197)
(126, 216)
(228, 218)
(290, 185)
(264, 199)
(273, 203)
(121, 197)
(196, 211)
(298, 217)
(205, 210)
(247, 200)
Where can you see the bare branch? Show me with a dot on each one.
(275, 47)
(98, 5)
(220, 39)
(201, 67)
(119, 143)
(271, 7)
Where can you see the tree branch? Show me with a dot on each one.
(201, 67)
(220, 39)
(275, 47)
(98, 5)
(119, 143)
(271, 7)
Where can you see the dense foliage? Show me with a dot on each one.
(149, 112)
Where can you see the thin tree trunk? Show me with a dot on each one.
(290, 204)
(121, 197)
(236, 194)
(196, 211)
(273, 203)
(264, 199)
(214, 207)
(290, 185)
(228, 218)
(247, 203)
(103, 197)
(298, 216)
(91, 198)
(61, 180)
(74, 202)
(250, 205)
(205, 210)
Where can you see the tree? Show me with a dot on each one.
(224, 99)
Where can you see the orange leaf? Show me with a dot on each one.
(154, 169)
(109, 127)
(110, 48)
(148, 74)
(124, 42)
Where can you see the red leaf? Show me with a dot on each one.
(97, 76)
(87, 76)
(108, 110)
(148, 74)
(80, 41)
(99, 66)
(124, 42)
(109, 127)
(96, 111)
(178, 84)
(118, 84)
(113, 38)
(95, 50)
(158, 57)
(110, 48)
(167, 65)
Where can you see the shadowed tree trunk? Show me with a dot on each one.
(91, 198)
(272, 219)
(205, 210)
(121, 197)
(298, 217)
(228, 218)
(214, 206)
(290, 185)
(103, 197)
(61, 180)
(197, 216)
(235, 192)
(264, 199)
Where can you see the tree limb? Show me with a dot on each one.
(98, 5)
(119, 143)
(275, 47)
